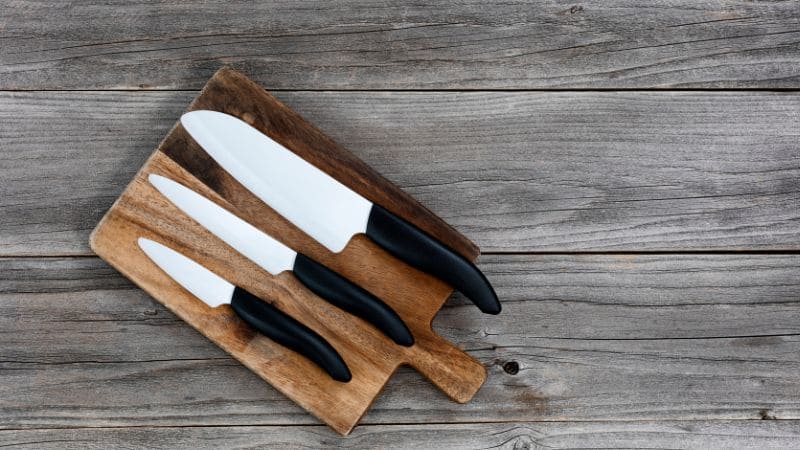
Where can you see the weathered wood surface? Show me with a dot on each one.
(582, 337)
(663, 350)
(379, 45)
(757, 435)
(572, 171)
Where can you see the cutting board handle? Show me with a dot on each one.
(448, 367)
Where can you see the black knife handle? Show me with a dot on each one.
(350, 297)
(283, 329)
(424, 252)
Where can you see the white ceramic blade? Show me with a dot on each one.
(257, 246)
(314, 201)
(203, 283)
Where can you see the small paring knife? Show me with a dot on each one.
(275, 257)
(214, 291)
(324, 208)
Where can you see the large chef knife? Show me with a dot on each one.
(323, 207)
(275, 257)
(267, 319)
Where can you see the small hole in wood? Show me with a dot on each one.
(511, 367)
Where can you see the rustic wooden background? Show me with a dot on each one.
(631, 170)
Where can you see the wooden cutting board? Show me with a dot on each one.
(372, 358)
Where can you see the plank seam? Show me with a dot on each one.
(787, 252)
(399, 424)
(433, 90)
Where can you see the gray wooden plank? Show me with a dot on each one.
(371, 44)
(571, 171)
(749, 434)
(582, 337)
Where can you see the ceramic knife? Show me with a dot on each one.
(214, 291)
(275, 257)
(323, 207)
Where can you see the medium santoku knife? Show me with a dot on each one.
(323, 207)
(275, 257)
(214, 291)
